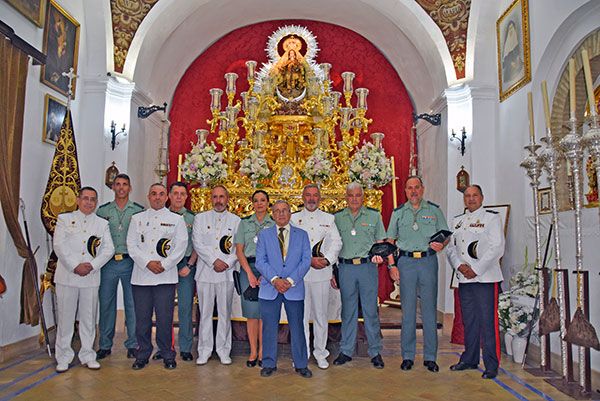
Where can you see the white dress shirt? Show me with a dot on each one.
(71, 236)
(320, 226)
(145, 230)
(209, 228)
(485, 228)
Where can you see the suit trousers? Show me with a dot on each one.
(158, 299)
(185, 303)
(316, 308)
(419, 277)
(479, 307)
(110, 275)
(270, 311)
(69, 301)
(359, 280)
(207, 293)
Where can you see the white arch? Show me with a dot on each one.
(172, 36)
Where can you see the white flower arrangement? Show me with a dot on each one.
(204, 165)
(504, 311)
(317, 166)
(520, 319)
(370, 167)
(254, 166)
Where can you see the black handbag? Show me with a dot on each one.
(251, 294)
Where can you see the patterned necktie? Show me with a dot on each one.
(281, 241)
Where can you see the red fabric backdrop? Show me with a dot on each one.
(389, 103)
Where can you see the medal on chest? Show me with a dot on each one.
(353, 232)
(415, 226)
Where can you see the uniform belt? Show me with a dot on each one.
(120, 256)
(251, 259)
(417, 254)
(354, 261)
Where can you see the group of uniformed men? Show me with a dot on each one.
(157, 251)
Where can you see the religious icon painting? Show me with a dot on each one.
(54, 115)
(512, 36)
(33, 10)
(462, 180)
(544, 201)
(61, 45)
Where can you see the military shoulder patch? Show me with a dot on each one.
(491, 211)
(137, 212)
(433, 204)
(458, 215)
(373, 209)
(400, 207)
(103, 205)
(138, 205)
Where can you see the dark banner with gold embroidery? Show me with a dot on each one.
(63, 181)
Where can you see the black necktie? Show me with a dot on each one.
(281, 241)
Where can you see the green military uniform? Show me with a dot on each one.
(358, 276)
(247, 234)
(185, 288)
(118, 268)
(418, 267)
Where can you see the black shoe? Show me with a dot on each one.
(304, 372)
(377, 361)
(186, 356)
(266, 372)
(431, 366)
(489, 374)
(139, 364)
(102, 353)
(252, 363)
(131, 353)
(463, 366)
(260, 363)
(342, 359)
(157, 356)
(407, 364)
(170, 363)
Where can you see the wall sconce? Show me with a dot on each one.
(462, 140)
(114, 134)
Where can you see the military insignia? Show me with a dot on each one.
(316, 250)
(167, 224)
(472, 249)
(458, 225)
(225, 244)
(163, 246)
(92, 245)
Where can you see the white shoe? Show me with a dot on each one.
(94, 365)
(62, 367)
(322, 363)
(225, 360)
(201, 361)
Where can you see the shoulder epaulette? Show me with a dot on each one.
(400, 207)
(491, 211)
(65, 212)
(298, 211)
(458, 215)
(373, 209)
(247, 217)
(138, 205)
(105, 204)
(339, 211)
(139, 211)
(433, 204)
(175, 212)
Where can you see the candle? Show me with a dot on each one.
(572, 86)
(179, 163)
(546, 103)
(251, 66)
(589, 85)
(530, 107)
(347, 77)
(394, 195)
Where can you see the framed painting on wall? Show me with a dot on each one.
(512, 36)
(61, 45)
(33, 10)
(54, 115)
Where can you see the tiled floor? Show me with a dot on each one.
(32, 377)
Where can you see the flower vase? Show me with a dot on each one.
(518, 348)
(508, 338)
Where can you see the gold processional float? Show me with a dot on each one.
(289, 129)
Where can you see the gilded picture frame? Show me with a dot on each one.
(544, 200)
(33, 10)
(54, 115)
(514, 59)
(61, 45)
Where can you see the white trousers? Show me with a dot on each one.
(316, 305)
(69, 301)
(207, 293)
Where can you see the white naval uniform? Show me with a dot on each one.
(74, 292)
(145, 230)
(486, 228)
(209, 228)
(320, 226)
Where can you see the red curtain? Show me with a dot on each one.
(389, 104)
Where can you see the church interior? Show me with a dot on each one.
(277, 94)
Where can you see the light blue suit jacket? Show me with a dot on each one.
(270, 263)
